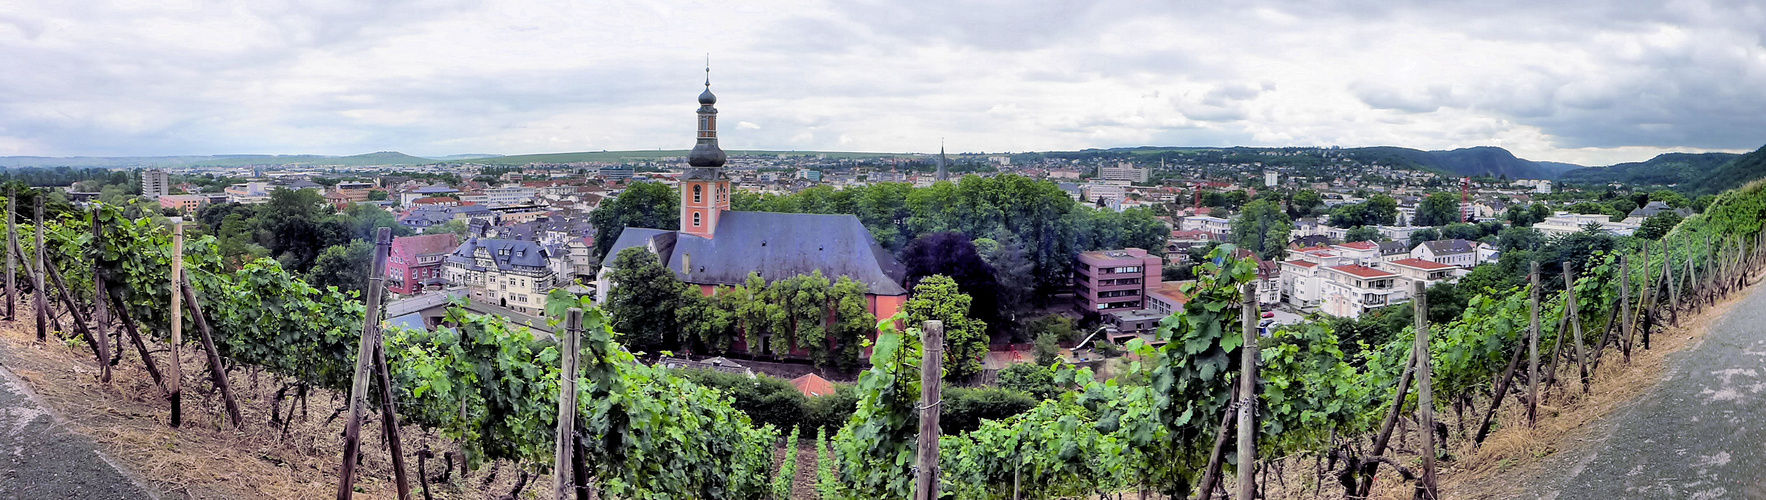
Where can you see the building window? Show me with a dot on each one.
(696, 189)
(695, 219)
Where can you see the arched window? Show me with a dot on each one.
(696, 189)
(695, 219)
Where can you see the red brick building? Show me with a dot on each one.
(417, 259)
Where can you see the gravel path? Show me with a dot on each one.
(41, 459)
(1699, 434)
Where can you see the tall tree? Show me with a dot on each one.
(1014, 272)
(1362, 233)
(853, 322)
(952, 255)
(965, 338)
(1437, 209)
(1658, 225)
(644, 204)
(1263, 228)
(343, 266)
(1304, 203)
(643, 300)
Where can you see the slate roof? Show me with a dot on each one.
(776, 245)
(1443, 247)
(1655, 207)
(1394, 248)
(520, 253)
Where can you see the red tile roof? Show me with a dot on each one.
(1361, 245)
(1363, 271)
(1421, 264)
(812, 385)
(413, 246)
(1301, 263)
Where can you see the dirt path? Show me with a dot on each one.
(1700, 433)
(41, 459)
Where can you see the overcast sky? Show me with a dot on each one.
(1593, 83)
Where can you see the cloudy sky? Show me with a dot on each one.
(1593, 83)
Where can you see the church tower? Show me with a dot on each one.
(705, 191)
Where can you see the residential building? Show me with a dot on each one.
(1219, 227)
(1565, 223)
(1365, 253)
(1122, 172)
(354, 192)
(716, 246)
(416, 261)
(1350, 290)
(1301, 284)
(1114, 279)
(617, 173)
(1455, 252)
(1651, 209)
(1091, 193)
(1271, 178)
(186, 203)
(509, 273)
(155, 183)
(508, 195)
(1428, 272)
(250, 192)
(1391, 251)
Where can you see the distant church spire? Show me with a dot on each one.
(943, 174)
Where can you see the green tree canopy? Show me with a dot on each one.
(1437, 209)
(643, 300)
(1263, 228)
(965, 338)
(644, 204)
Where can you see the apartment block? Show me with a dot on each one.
(1115, 279)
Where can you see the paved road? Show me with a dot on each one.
(41, 459)
(1700, 434)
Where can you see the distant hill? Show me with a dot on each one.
(1734, 174)
(612, 156)
(1665, 169)
(1464, 162)
(462, 157)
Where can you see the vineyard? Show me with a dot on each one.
(1308, 418)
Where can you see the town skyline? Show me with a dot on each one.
(1591, 85)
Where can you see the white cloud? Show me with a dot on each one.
(1589, 82)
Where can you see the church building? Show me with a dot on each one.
(717, 246)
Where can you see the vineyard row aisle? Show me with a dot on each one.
(1686, 420)
(40, 457)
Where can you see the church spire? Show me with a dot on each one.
(705, 153)
(943, 175)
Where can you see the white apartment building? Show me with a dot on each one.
(1566, 223)
(508, 195)
(1414, 270)
(1107, 192)
(1454, 252)
(1211, 224)
(1364, 253)
(1271, 178)
(1301, 284)
(1351, 290)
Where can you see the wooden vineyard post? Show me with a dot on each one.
(1385, 435)
(1248, 394)
(73, 310)
(11, 252)
(1710, 272)
(215, 370)
(368, 356)
(175, 382)
(1625, 305)
(1425, 398)
(562, 485)
(1692, 277)
(1532, 346)
(1575, 318)
(122, 313)
(100, 317)
(1668, 277)
(39, 301)
(931, 371)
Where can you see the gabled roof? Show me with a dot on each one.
(1441, 247)
(1426, 265)
(1362, 271)
(1394, 248)
(776, 245)
(812, 385)
(427, 244)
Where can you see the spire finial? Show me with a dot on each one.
(708, 70)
